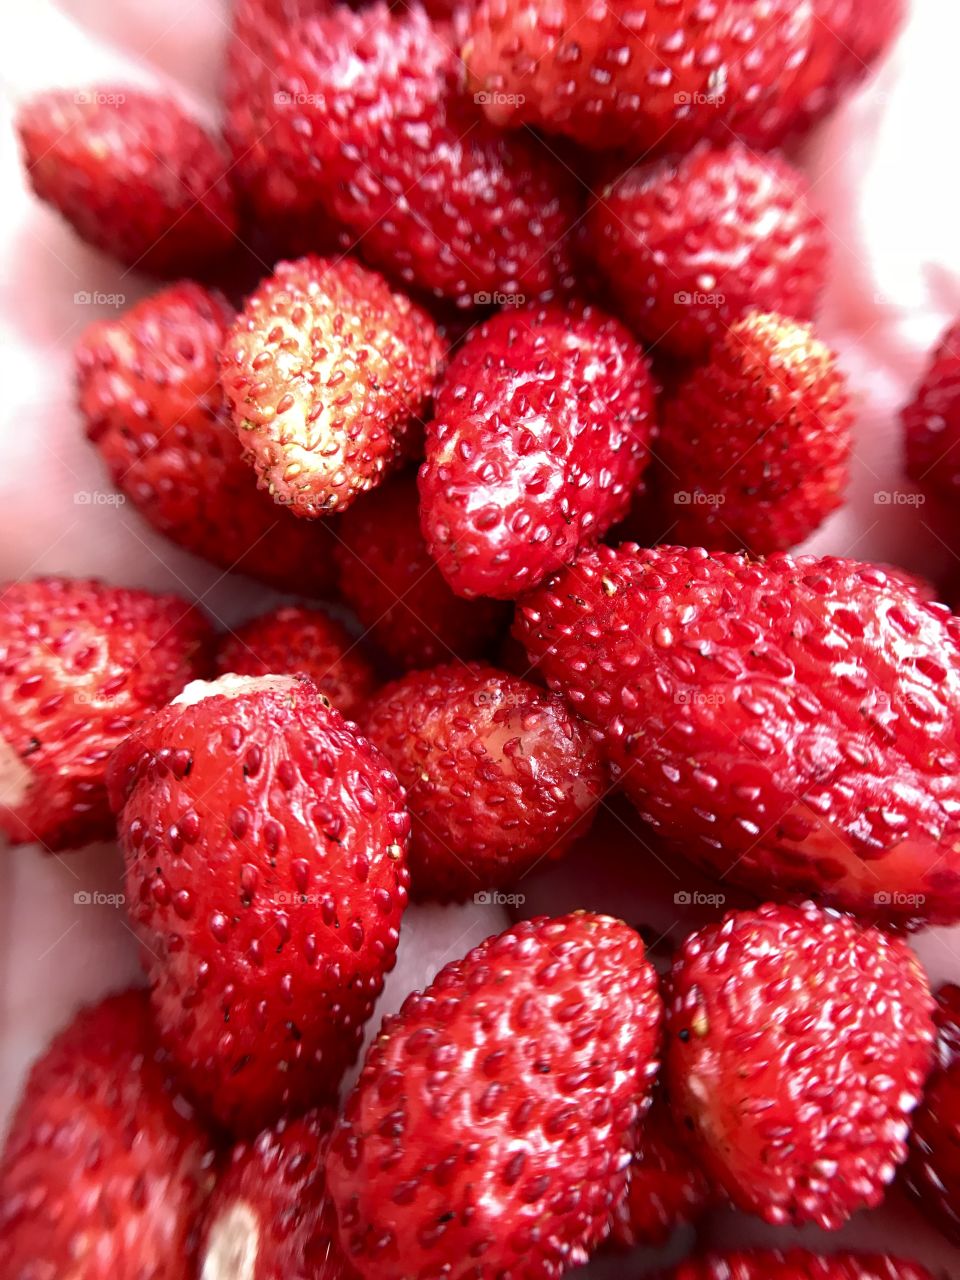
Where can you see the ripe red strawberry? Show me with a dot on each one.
(539, 439)
(399, 594)
(291, 640)
(933, 1168)
(791, 724)
(498, 774)
(326, 371)
(265, 844)
(666, 1186)
(490, 1127)
(798, 1042)
(151, 402)
(931, 423)
(688, 245)
(80, 664)
(270, 1217)
(363, 115)
(132, 173)
(105, 1169)
(754, 446)
(798, 1264)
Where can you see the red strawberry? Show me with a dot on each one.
(292, 640)
(688, 245)
(754, 446)
(80, 664)
(326, 370)
(931, 422)
(498, 774)
(265, 844)
(661, 75)
(489, 1130)
(270, 1217)
(132, 173)
(798, 1264)
(933, 1169)
(397, 591)
(540, 437)
(363, 115)
(104, 1169)
(791, 724)
(666, 1187)
(798, 1042)
(151, 403)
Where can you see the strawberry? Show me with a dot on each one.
(290, 640)
(326, 370)
(791, 724)
(798, 1264)
(498, 774)
(933, 1169)
(489, 1130)
(265, 847)
(540, 436)
(150, 401)
(798, 1042)
(931, 423)
(362, 116)
(662, 75)
(387, 576)
(687, 245)
(755, 444)
(81, 663)
(270, 1217)
(132, 173)
(105, 1168)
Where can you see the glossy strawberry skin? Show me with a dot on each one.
(265, 846)
(489, 1129)
(795, 1081)
(706, 675)
(931, 423)
(291, 640)
(539, 439)
(933, 1169)
(688, 245)
(150, 400)
(798, 1264)
(754, 446)
(105, 1168)
(326, 371)
(270, 1211)
(390, 580)
(132, 173)
(81, 663)
(363, 116)
(498, 774)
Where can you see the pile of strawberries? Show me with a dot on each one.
(534, 283)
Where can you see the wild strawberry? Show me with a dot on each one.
(489, 1129)
(931, 423)
(270, 1217)
(798, 1042)
(80, 664)
(754, 446)
(498, 774)
(388, 577)
(362, 114)
(326, 370)
(798, 1264)
(539, 439)
(104, 1169)
(265, 844)
(149, 395)
(291, 640)
(688, 245)
(132, 173)
(663, 75)
(791, 724)
(933, 1169)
